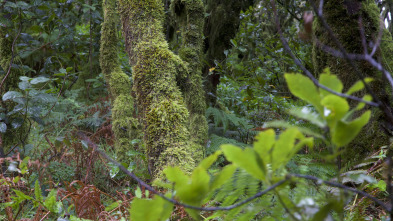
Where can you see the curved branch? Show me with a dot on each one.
(151, 189)
(272, 187)
(342, 186)
(307, 72)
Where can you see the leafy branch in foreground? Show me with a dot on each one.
(265, 162)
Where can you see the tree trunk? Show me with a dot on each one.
(160, 102)
(124, 125)
(190, 17)
(343, 18)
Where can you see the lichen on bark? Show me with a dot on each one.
(189, 15)
(160, 102)
(343, 18)
(125, 127)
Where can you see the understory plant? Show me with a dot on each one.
(277, 194)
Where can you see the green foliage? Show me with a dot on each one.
(20, 198)
(267, 163)
(150, 209)
(332, 111)
(195, 189)
(225, 119)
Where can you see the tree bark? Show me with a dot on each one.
(125, 127)
(189, 15)
(160, 102)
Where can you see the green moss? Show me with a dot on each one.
(108, 50)
(124, 125)
(343, 18)
(159, 99)
(190, 16)
(119, 83)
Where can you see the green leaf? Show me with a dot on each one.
(38, 80)
(23, 164)
(303, 88)
(208, 161)
(22, 196)
(176, 175)
(50, 202)
(246, 159)
(284, 148)
(264, 143)
(358, 86)
(3, 127)
(224, 175)
(138, 192)
(361, 105)
(195, 191)
(112, 206)
(11, 95)
(37, 192)
(114, 170)
(303, 130)
(345, 132)
(335, 108)
(150, 210)
(10, 4)
(381, 185)
(23, 85)
(307, 114)
(330, 81)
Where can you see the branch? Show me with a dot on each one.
(342, 186)
(272, 187)
(151, 189)
(307, 72)
(368, 58)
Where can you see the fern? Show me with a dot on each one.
(241, 186)
(225, 119)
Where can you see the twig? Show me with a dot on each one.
(341, 186)
(308, 73)
(151, 189)
(272, 187)
(367, 57)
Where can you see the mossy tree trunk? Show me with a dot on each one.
(190, 18)
(159, 99)
(124, 125)
(343, 18)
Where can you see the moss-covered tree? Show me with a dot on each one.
(124, 125)
(190, 18)
(343, 18)
(160, 102)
